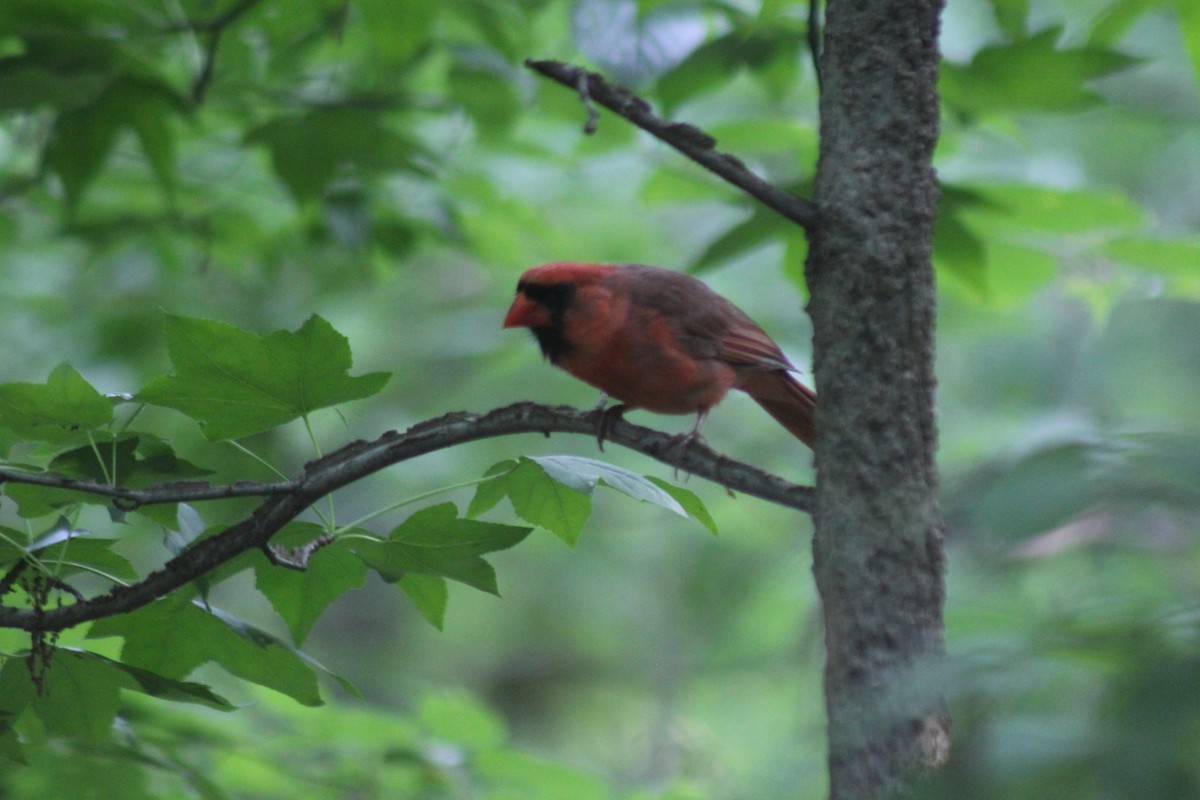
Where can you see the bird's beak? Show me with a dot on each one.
(525, 313)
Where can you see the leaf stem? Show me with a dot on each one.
(408, 501)
(108, 477)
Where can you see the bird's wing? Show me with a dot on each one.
(746, 344)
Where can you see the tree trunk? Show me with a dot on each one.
(877, 551)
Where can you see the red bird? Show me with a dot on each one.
(658, 340)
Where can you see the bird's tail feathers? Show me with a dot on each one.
(790, 402)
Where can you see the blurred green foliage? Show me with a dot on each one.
(384, 171)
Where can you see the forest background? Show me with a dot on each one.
(392, 167)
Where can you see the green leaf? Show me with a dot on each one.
(56, 411)
(310, 150)
(584, 474)
(555, 492)
(1016, 272)
(1056, 211)
(301, 597)
(707, 68)
(129, 460)
(1111, 24)
(689, 500)
(753, 136)
(457, 718)
(81, 696)
(92, 669)
(429, 594)
(957, 248)
(489, 493)
(540, 499)
(27, 84)
(1038, 492)
(1011, 16)
(672, 184)
(174, 636)
(1189, 25)
(78, 146)
(762, 228)
(155, 685)
(1174, 259)
(435, 541)
(238, 383)
(397, 31)
(1030, 74)
(68, 551)
(515, 774)
(487, 95)
(82, 138)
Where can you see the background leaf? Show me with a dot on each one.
(57, 411)
(238, 383)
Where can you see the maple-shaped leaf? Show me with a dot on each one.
(58, 410)
(435, 541)
(237, 383)
(1029, 74)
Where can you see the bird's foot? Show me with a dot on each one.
(681, 443)
(605, 418)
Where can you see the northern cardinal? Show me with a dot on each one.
(658, 340)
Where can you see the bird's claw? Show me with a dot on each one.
(680, 443)
(605, 419)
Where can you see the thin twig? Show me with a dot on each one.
(687, 139)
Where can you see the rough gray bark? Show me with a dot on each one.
(877, 551)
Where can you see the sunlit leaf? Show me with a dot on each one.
(238, 383)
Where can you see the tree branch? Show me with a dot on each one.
(687, 139)
(127, 499)
(286, 501)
